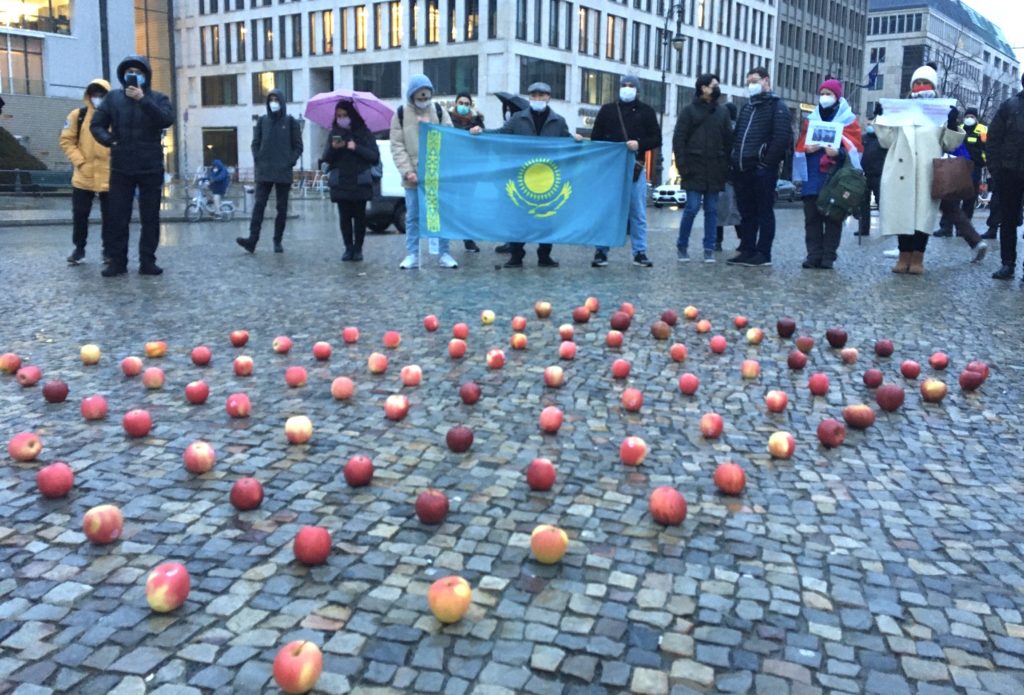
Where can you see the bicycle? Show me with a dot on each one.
(201, 205)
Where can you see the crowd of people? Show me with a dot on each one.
(728, 161)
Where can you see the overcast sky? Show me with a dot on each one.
(1008, 15)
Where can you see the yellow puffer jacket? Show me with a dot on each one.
(91, 159)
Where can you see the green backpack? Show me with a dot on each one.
(843, 193)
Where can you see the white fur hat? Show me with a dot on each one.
(926, 72)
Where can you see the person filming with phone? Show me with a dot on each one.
(130, 121)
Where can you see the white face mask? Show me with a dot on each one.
(970, 121)
(627, 94)
(927, 94)
(826, 101)
(96, 101)
(422, 103)
(274, 106)
(538, 105)
(754, 88)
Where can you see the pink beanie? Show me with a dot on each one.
(834, 86)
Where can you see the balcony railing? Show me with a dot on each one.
(50, 25)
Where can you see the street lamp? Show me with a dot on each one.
(676, 41)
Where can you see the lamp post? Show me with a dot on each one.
(676, 41)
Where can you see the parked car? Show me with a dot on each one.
(786, 190)
(387, 207)
(669, 193)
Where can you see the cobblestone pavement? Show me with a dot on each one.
(891, 564)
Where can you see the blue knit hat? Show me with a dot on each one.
(629, 78)
(416, 83)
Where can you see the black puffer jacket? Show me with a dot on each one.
(133, 130)
(640, 121)
(873, 159)
(1006, 137)
(349, 170)
(763, 133)
(276, 143)
(701, 144)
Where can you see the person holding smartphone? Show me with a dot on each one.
(350, 156)
(130, 121)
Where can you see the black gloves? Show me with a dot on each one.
(953, 121)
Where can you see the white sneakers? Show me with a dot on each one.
(409, 262)
(978, 252)
(446, 261)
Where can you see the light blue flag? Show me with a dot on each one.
(522, 188)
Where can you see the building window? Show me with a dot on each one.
(268, 39)
(492, 19)
(380, 28)
(383, 79)
(554, 26)
(296, 35)
(598, 86)
(536, 70)
(361, 28)
(452, 75)
(24, 57)
(521, 20)
(453, 22)
(343, 15)
(472, 20)
(395, 38)
(263, 82)
(615, 38)
(414, 24)
(209, 45)
(433, 22)
(49, 16)
(877, 55)
(220, 90)
(879, 83)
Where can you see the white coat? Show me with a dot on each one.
(906, 204)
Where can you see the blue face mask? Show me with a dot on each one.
(462, 110)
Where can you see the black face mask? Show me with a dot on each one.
(715, 93)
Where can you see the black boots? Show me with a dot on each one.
(246, 243)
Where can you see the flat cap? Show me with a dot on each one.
(539, 87)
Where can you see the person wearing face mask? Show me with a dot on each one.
(872, 162)
(633, 122)
(131, 122)
(91, 177)
(763, 136)
(350, 153)
(1006, 162)
(276, 147)
(701, 144)
(539, 120)
(813, 164)
(464, 117)
(405, 150)
(907, 208)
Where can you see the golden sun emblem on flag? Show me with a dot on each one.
(538, 187)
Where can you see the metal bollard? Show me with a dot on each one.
(249, 198)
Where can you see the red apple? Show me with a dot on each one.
(632, 400)
(298, 666)
(938, 360)
(460, 331)
(730, 478)
(718, 344)
(28, 376)
(566, 332)
(199, 458)
(567, 350)
(632, 451)
(282, 344)
(137, 423)
(298, 429)
(804, 344)
(350, 334)
(432, 506)
(377, 363)
(785, 327)
(551, 419)
(620, 368)
(459, 439)
(456, 348)
(542, 309)
(889, 397)
(613, 339)
(153, 378)
(781, 445)
(342, 388)
(711, 425)
(449, 598)
(831, 433)
(884, 348)
(518, 341)
(678, 352)
(817, 384)
(358, 470)
(971, 380)
(103, 524)
(859, 416)
(411, 375)
(703, 326)
(155, 348)
(196, 392)
(776, 401)
(740, 322)
(392, 339)
(24, 446)
(201, 356)
(10, 363)
(670, 317)
(548, 544)
(691, 312)
(322, 350)
(243, 365)
(978, 366)
(495, 358)
(396, 407)
(849, 355)
(94, 407)
(581, 314)
(689, 383)
(667, 506)
(167, 587)
(873, 378)
(554, 376)
(910, 369)
(754, 336)
(238, 405)
(131, 365)
(836, 337)
(295, 376)
(431, 323)
(750, 369)
(312, 545)
(246, 494)
(661, 330)
(933, 390)
(796, 360)
(518, 324)
(469, 392)
(55, 391)
(239, 338)
(620, 321)
(55, 480)
(541, 474)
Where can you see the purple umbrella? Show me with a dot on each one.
(376, 114)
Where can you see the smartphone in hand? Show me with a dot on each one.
(131, 80)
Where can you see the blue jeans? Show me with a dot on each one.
(412, 225)
(637, 216)
(693, 202)
(755, 198)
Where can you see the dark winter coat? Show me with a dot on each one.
(133, 130)
(640, 121)
(701, 144)
(276, 143)
(763, 134)
(1005, 148)
(219, 178)
(349, 175)
(522, 123)
(473, 120)
(873, 159)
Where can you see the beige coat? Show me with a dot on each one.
(90, 159)
(405, 137)
(906, 204)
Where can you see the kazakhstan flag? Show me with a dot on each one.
(522, 188)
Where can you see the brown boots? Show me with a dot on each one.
(911, 262)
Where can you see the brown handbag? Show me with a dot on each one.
(951, 179)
